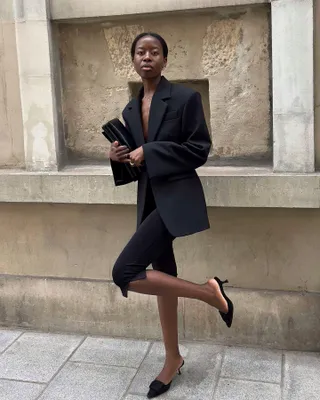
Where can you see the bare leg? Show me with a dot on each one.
(168, 311)
(160, 284)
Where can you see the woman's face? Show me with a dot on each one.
(148, 58)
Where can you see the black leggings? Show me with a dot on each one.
(151, 244)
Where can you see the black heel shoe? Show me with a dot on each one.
(157, 387)
(227, 317)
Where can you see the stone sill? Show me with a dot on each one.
(223, 187)
(74, 9)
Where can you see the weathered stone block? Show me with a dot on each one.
(67, 9)
(11, 134)
(38, 119)
(82, 306)
(293, 85)
(34, 51)
(6, 11)
(317, 79)
(263, 318)
(32, 10)
(279, 320)
(253, 248)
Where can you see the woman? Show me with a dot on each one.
(168, 125)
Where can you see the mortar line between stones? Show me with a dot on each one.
(137, 370)
(3, 351)
(60, 368)
(283, 360)
(99, 280)
(57, 278)
(219, 372)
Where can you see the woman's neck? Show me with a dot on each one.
(150, 85)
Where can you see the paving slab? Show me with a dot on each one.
(302, 376)
(199, 375)
(229, 389)
(7, 337)
(117, 352)
(252, 364)
(37, 357)
(12, 390)
(83, 381)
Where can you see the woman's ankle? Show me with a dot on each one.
(171, 358)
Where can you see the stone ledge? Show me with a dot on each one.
(274, 319)
(70, 9)
(223, 187)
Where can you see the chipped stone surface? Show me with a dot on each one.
(119, 39)
(88, 142)
(220, 45)
(227, 48)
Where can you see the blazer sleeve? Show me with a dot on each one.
(164, 158)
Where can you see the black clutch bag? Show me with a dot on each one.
(123, 173)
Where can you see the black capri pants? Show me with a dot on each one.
(151, 244)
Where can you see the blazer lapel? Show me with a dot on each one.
(158, 108)
(134, 121)
(157, 111)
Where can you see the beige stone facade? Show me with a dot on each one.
(317, 80)
(65, 69)
(11, 136)
(224, 54)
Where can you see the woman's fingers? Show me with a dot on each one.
(121, 149)
(122, 152)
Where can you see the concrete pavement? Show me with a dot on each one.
(43, 366)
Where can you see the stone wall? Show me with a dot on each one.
(56, 262)
(271, 249)
(11, 135)
(317, 81)
(225, 51)
(56, 259)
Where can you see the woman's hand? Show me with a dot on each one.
(119, 153)
(137, 156)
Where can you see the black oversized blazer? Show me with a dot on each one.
(178, 143)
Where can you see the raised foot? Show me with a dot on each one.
(216, 299)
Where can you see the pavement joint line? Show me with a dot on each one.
(8, 347)
(249, 380)
(61, 366)
(219, 371)
(100, 363)
(22, 381)
(283, 363)
(137, 370)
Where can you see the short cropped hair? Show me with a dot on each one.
(156, 36)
